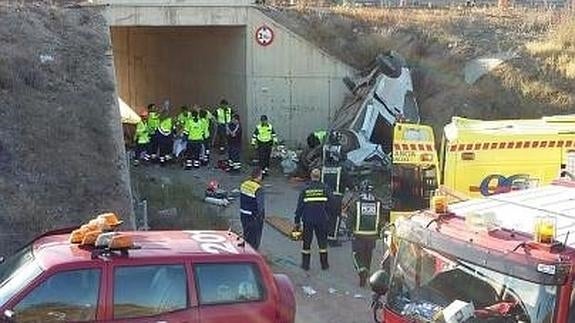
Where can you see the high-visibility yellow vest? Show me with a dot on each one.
(206, 125)
(153, 121)
(224, 114)
(142, 133)
(265, 133)
(320, 135)
(182, 118)
(195, 130)
(166, 126)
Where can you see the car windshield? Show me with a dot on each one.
(16, 272)
(425, 282)
(412, 186)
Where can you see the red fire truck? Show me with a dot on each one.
(502, 258)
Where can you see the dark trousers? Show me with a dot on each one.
(221, 136)
(194, 149)
(154, 144)
(165, 144)
(320, 230)
(141, 149)
(362, 249)
(234, 152)
(264, 152)
(252, 227)
(333, 221)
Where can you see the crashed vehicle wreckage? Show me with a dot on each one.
(380, 97)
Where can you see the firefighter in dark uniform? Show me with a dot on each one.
(366, 220)
(332, 175)
(252, 210)
(312, 208)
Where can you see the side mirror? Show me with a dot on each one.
(379, 282)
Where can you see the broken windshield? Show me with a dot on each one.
(425, 282)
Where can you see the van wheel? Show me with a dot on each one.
(349, 83)
(388, 67)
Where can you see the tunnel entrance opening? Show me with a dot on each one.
(186, 65)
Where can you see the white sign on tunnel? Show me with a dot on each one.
(264, 35)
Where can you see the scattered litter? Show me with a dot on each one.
(308, 291)
(358, 296)
(45, 58)
(332, 290)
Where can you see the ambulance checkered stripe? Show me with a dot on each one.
(514, 145)
(413, 147)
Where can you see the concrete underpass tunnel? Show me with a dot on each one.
(187, 65)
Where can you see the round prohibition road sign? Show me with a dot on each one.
(264, 35)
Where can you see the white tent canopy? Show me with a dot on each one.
(128, 114)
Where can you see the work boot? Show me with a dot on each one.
(305, 259)
(188, 164)
(362, 278)
(323, 260)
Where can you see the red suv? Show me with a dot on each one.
(167, 276)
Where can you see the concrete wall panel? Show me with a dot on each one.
(176, 16)
(312, 80)
(188, 65)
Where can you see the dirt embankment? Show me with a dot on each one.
(61, 152)
(439, 42)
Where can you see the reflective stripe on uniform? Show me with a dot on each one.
(322, 250)
(358, 223)
(306, 252)
(315, 199)
(242, 211)
(314, 195)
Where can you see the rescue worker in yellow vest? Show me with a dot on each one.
(312, 209)
(366, 220)
(263, 138)
(223, 118)
(165, 137)
(142, 139)
(183, 117)
(252, 208)
(196, 136)
(153, 124)
(205, 118)
(181, 137)
(316, 138)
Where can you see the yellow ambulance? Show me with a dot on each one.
(478, 158)
(414, 170)
(489, 157)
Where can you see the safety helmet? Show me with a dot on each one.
(335, 137)
(366, 186)
(213, 185)
(264, 118)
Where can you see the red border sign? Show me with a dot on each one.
(264, 35)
